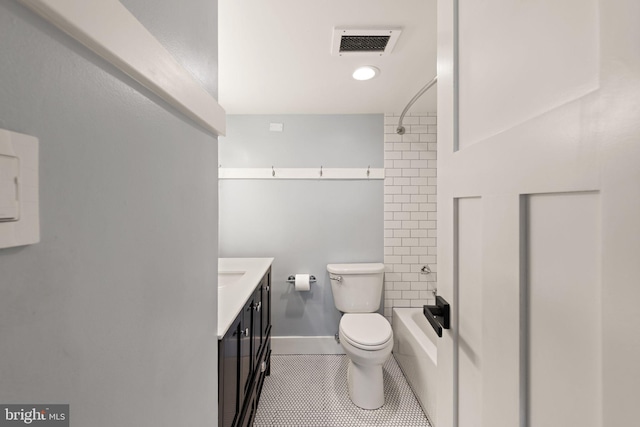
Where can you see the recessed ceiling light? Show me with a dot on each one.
(365, 73)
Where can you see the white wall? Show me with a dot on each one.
(114, 311)
(410, 210)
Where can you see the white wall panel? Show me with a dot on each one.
(564, 310)
(495, 70)
(470, 306)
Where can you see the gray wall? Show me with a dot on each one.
(114, 311)
(304, 224)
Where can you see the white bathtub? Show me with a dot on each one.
(414, 348)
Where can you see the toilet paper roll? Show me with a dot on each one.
(302, 282)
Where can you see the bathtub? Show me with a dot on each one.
(415, 350)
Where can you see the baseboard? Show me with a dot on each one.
(305, 345)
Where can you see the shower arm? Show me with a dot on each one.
(400, 129)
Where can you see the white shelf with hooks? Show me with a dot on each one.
(301, 173)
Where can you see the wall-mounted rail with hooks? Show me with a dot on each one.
(321, 173)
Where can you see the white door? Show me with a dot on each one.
(539, 212)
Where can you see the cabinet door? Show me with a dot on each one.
(266, 319)
(230, 403)
(246, 347)
(257, 323)
(265, 313)
(250, 413)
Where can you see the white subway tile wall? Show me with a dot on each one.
(410, 211)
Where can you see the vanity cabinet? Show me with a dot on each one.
(244, 355)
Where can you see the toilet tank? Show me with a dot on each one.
(357, 288)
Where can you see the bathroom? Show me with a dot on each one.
(283, 192)
(301, 222)
(109, 306)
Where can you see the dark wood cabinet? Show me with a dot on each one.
(229, 377)
(244, 355)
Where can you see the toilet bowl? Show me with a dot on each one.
(365, 335)
(367, 340)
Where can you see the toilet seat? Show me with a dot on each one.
(366, 331)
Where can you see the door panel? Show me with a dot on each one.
(549, 58)
(539, 212)
(470, 302)
(564, 289)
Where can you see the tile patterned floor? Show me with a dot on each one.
(311, 391)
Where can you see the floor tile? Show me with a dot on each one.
(311, 391)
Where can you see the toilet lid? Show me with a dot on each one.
(365, 329)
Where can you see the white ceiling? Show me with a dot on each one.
(275, 57)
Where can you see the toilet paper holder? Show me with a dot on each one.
(292, 279)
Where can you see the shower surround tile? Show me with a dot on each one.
(311, 391)
(410, 211)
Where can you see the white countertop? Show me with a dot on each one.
(231, 298)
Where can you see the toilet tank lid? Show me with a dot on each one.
(357, 268)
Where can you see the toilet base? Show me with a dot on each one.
(366, 386)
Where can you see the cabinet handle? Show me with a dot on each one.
(268, 287)
(263, 366)
(245, 333)
(258, 306)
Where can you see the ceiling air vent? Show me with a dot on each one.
(364, 41)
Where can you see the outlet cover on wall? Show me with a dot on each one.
(19, 198)
(276, 127)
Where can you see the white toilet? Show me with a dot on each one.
(365, 335)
